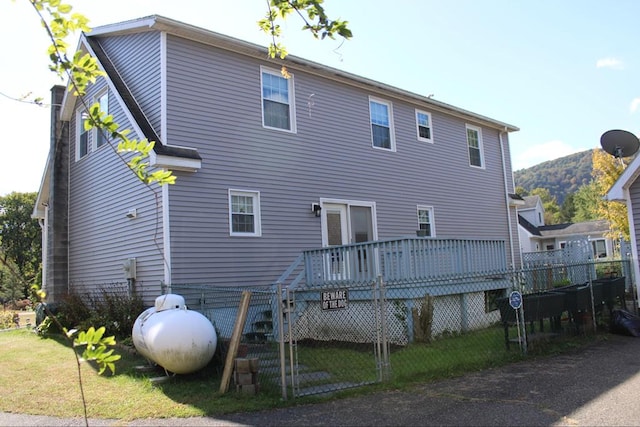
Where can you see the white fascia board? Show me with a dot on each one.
(43, 192)
(619, 190)
(174, 163)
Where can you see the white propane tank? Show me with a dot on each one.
(180, 340)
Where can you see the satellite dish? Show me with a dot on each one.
(619, 143)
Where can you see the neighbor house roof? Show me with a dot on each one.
(572, 229)
(530, 202)
(532, 229)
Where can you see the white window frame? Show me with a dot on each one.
(392, 137)
(594, 247)
(80, 130)
(291, 99)
(480, 147)
(257, 222)
(97, 131)
(432, 223)
(418, 125)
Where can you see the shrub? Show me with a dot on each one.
(116, 311)
(6, 319)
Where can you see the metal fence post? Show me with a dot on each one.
(283, 359)
(383, 330)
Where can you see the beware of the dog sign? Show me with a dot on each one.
(334, 300)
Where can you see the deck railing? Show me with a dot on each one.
(404, 260)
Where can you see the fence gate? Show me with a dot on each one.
(332, 338)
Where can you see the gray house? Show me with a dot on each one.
(266, 167)
(627, 190)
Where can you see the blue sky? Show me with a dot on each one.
(564, 72)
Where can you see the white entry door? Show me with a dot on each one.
(336, 233)
(344, 224)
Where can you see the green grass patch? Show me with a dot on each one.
(39, 375)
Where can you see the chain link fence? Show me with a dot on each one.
(326, 337)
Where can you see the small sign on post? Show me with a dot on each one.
(515, 300)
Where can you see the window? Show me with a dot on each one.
(425, 221)
(100, 136)
(277, 101)
(82, 135)
(381, 124)
(474, 141)
(244, 213)
(423, 122)
(599, 248)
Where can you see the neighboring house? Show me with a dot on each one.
(266, 166)
(627, 190)
(535, 236)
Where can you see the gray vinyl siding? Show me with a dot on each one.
(137, 58)
(101, 238)
(634, 195)
(330, 156)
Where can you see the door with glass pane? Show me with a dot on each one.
(337, 234)
(344, 225)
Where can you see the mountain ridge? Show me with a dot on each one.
(561, 176)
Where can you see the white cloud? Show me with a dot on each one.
(539, 153)
(634, 106)
(614, 63)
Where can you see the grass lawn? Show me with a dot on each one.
(39, 376)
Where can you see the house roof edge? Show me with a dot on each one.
(171, 26)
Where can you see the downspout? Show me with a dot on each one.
(42, 222)
(166, 239)
(506, 195)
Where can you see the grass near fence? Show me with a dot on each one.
(38, 376)
(448, 355)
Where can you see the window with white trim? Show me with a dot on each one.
(381, 116)
(474, 142)
(599, 247)
(244, 213)
(423, 124)
(82, 135)
(100, 136)
(425, 221)
(277, 100)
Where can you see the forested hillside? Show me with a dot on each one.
(560, 176)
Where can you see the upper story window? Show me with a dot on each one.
(277, 101)
(82, 135)
(381, 116)
(244, 213)
(425, 221)
(100, 136)
(423, 123)
(474, 142)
